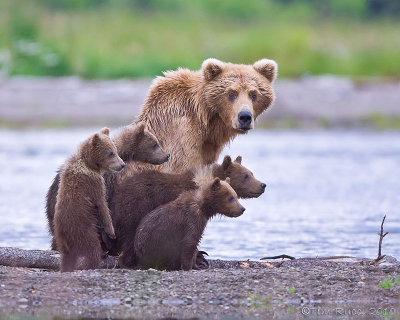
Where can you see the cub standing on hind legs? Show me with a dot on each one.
(134, 143)
(167, 238)
(81, 207)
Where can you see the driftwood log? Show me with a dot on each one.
(42, 259)
(14, 257)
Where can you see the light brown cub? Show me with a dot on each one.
(81, 209)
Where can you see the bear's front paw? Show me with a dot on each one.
(201, 261)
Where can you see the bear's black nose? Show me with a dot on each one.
(168, 156)
(245, 118)
(243, 209)
(123, 165)
(263, 185)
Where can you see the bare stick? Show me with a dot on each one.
(282, 256)
(381, 236)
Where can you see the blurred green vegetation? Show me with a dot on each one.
(141, 38)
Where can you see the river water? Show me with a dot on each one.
(327, 192)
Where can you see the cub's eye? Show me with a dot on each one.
(246, 176)
(231, 198)
(253, 95)
(111, 154)
(232, 95)
(155, 145)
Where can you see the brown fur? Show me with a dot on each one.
(133, 143)
(138, 195)
(167, 238)
(81, 208)
(194, 114)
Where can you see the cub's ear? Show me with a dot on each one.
(216, 184)
(228, 180)
(239, 159)
(105, 131)
(211, 68)
(96, 139)
(268, 68)
(227, 162)
(140, 127)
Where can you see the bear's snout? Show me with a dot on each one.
(245, 118)
(263, 185)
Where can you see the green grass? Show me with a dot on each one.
(388, 283)
(119, 41)
(382, 122)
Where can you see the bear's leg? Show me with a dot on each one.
(92, 256)
(128, 259)
(68, 261)
(53, 244)
(187, 258)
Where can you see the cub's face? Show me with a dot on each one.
(149, 150)
(242, 179)
(238, 94)
(136, 143)
(226, 199)
(105, 154)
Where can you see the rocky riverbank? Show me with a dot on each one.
(329, 288)
(308, 102)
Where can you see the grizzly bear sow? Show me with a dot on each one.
(133, 143)
(195, 113)
(167, 237)
(138, 195)
(81, 206)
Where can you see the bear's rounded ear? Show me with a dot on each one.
(96, 139)
(239, 159)
(227, 162)
(228, 180)
(211, 68)
(216, 184)
(140, 127)
(268, 68)
(105, 131)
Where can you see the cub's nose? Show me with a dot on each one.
(243, 209)
(123, 165)
(245, 118)
(263, 185)
(168, 156)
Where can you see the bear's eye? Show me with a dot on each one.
(232, 95)
(253, 95)
(155, 145)
(111, 154)
(231, 198)
(246, 176)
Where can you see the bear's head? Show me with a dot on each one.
(223, 199)
(101, 154)
(136, 143)
(238, 94)
(242, 179)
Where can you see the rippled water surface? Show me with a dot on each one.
(326, 192)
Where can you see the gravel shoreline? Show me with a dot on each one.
(309, 102)
(296, 289)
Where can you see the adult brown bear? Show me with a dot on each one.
(195, 113)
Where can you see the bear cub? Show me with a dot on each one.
(133, 143)
(167, 238)
(81, 209)
(138, 195)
